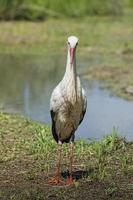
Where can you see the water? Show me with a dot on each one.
(26, 83)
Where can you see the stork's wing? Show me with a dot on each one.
(84, 105)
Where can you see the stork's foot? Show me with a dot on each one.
(70, 180)
(56, 180)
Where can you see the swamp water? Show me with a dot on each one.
(26, 84)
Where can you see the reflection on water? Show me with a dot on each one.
(26, 84)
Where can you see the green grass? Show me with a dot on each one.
(128, 3)
(28, 157)
(21, 137)
(104, 35)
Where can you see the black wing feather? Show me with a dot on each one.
(55, 135)
(83, 114)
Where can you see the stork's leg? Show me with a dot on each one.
(57, 178)
(58, 170)
(70, 178)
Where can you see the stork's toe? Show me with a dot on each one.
(56, 180)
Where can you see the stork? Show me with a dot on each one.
(67, 106)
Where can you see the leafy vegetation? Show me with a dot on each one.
(28, 158)
(40, 9)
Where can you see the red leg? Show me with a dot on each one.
(70, 178)
(57, 178)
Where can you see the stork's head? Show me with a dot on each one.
(72, 44)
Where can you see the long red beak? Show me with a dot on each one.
(72, 50)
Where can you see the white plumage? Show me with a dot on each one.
(68, 101)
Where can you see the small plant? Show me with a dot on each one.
(30, 175)
(111, 190)
(43, 142)
(13, 197)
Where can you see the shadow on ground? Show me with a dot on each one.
(78, 174)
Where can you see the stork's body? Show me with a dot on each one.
(68, 101)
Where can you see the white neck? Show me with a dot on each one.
(70, 76)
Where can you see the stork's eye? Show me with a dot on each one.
(69, 43)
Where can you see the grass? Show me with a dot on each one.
(104, 35)
(28, 156)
